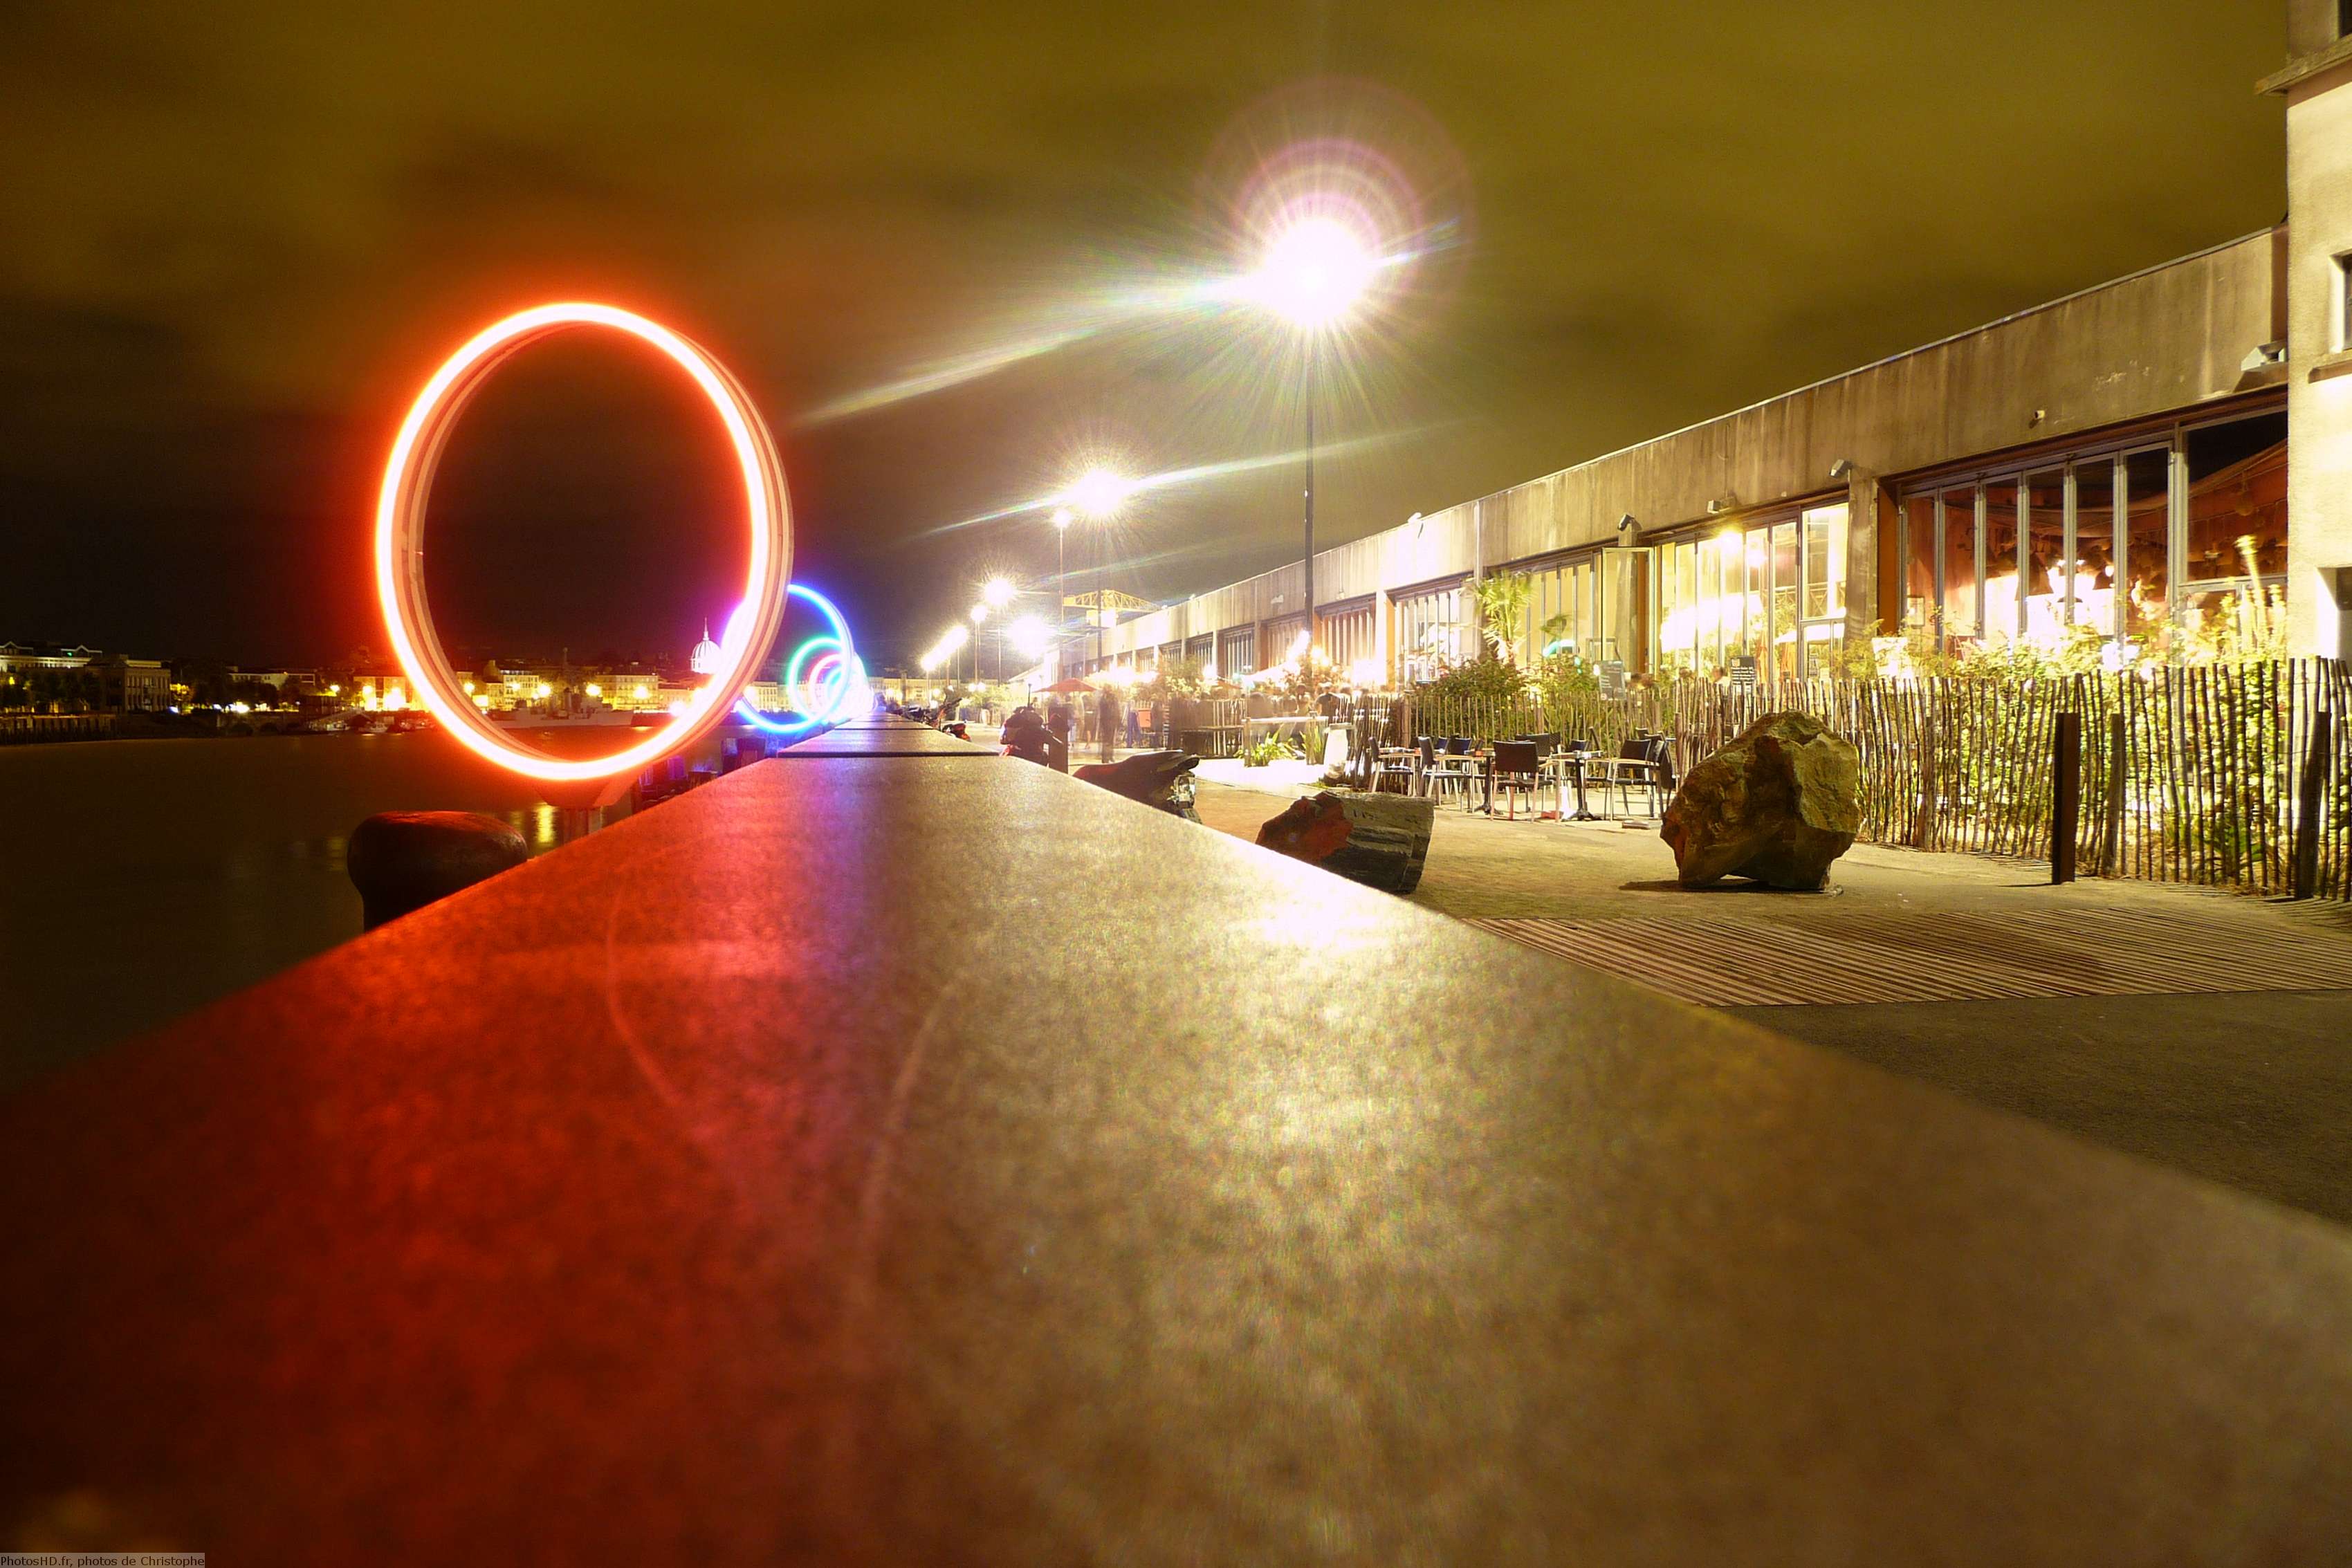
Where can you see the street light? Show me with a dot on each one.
(1030, 636)
(979, 614)
(997, 592)
(1063, 517)
(1311, 276)
(1099, 493)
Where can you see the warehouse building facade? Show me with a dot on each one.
(2135, 459)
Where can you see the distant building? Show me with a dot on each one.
(17, 656)
(708, 655)
(385, 690)
(278, 679)
(131, 685)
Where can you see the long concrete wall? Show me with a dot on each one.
(2319, 364)
(2156, 343)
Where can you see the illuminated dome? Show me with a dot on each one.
(706, 657)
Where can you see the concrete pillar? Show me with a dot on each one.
(2319, 357)
(1869, 543)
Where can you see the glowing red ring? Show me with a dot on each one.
(400, 537)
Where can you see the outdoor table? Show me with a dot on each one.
(1564, 765)
(1480, 764)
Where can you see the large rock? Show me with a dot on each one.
(1380, 841)
(403, 861)
(1777, 804)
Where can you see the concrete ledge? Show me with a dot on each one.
(2305, 66)
(885, 737)
(859, 1160)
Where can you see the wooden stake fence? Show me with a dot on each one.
(2223, 775)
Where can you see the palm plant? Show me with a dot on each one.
(1502, 601)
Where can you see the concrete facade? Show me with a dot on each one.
(2174, 337)
(2318, 86)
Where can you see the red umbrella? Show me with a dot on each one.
(1069, 684)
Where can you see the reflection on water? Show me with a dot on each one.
(140, 879)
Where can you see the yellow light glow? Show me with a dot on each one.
(543, 691)
(482, 701)
(1030, 636)
(594, 690)
(1099, 492)
(1314, 272)
(641, 694)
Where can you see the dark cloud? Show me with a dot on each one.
(238, 232)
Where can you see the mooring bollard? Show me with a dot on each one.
(2310, 794)
(403, 861)
(2066, 792)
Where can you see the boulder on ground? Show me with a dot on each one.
(1380, 841)
(1779, 804)
(403, 861)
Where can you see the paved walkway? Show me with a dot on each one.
(2203, 1030)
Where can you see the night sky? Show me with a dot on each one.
(236, 234)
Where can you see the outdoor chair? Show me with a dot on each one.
(1643, 762)
(1401, 769)
(1443, 771)
(1518, 771)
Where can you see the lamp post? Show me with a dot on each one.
(1312, 275)
(1099, 494)
(996, 593)
(979, 614)
(1061, 516)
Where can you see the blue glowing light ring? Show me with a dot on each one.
(834, 711)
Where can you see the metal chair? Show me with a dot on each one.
(1518, 771)
(1440, 771)
(1403, 769)
(1646, 761)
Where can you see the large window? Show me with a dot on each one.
(1430, 635)
(1349, 642)
(1562, 614)
(2145, 565)
(1237, 652)
(2234, 543)
(2129, 543)
(1774, 593)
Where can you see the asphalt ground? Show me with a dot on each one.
(2204, 1030)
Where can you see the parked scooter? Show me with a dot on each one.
(1027, 738)
(1158, 778)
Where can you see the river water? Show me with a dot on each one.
(140, 879)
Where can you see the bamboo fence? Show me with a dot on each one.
(2189, 773)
